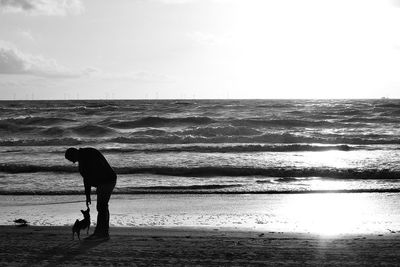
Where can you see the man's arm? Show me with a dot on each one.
(88, 188)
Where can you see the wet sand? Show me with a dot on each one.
(52, 246)
(325, 214)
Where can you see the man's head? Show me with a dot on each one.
(72, 154)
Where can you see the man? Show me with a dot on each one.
(96, 172)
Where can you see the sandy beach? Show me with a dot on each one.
(52, 246)
(237, 230)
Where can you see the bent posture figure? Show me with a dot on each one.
(96, 172)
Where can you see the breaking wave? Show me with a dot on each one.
(235, 148)
(267, 138)
(161, 137)
(222, 171)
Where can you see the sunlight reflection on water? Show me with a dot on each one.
(332, 214)
(333, 159)
(321, 213)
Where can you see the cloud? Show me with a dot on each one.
(42, 7)
(13, 61)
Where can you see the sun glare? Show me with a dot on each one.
(325, 184)
(333, 159)
(328, 214)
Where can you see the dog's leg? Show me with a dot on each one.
(72, 235)
(78, 233)
(87, 232)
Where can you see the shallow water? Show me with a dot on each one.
(323, 214)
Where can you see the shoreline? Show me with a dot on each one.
(325, 214)
(52, 246)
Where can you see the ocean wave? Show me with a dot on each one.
(270, 104)
(160, 121)
(221, 131)
(265, 172)
(184, 103)
(26, 168)
(39, 126)
(264, 138)
(87, 134)
(388, 104)
(44, 121)
(393, 112)
(151, 133)
(92, 130)
(97, 122)
(75, 106)
(54, 131)
(42, 142)
(375, 119)
(346, 112)
(13, 127)
(325, 139)
(229, 171)
(283, 123)
(236, 148)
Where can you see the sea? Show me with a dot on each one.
(204, 146)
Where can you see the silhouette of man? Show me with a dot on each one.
(96, 172)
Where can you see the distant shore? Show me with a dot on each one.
(52, 246)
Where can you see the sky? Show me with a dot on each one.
(163, 49)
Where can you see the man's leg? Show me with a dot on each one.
(103, 215)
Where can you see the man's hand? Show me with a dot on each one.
(88, 203)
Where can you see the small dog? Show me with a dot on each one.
(80, 225)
